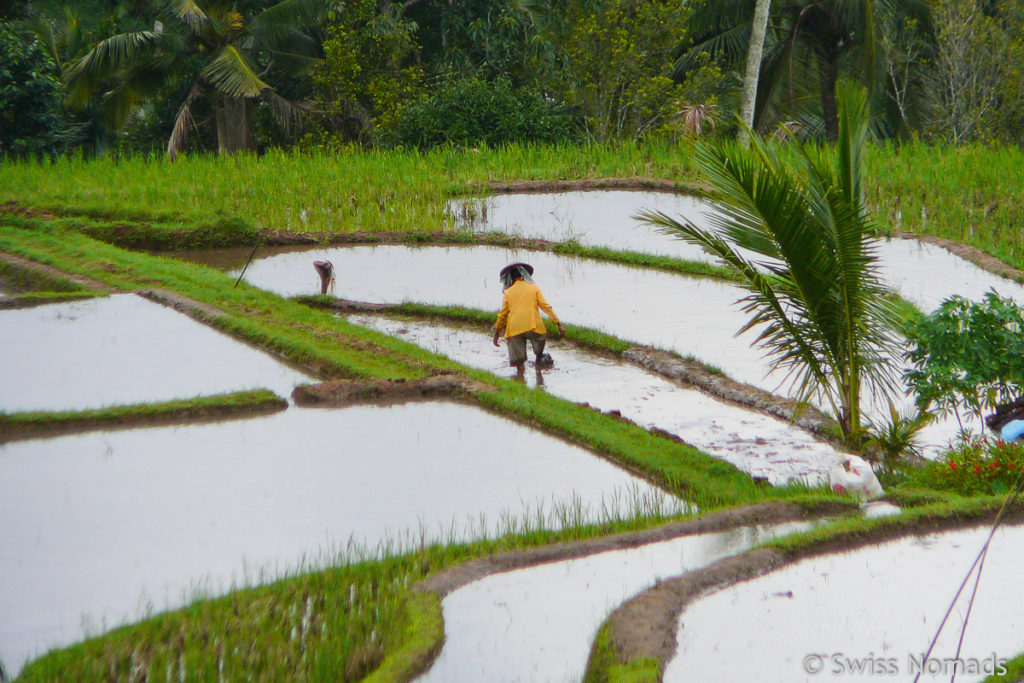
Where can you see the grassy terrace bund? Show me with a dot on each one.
(88, 219)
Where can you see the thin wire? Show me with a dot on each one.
(1010, 499)
(967, 617)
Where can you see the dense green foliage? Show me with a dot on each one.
(966, 355)
(470, 111)
(31, 120)
(617, 69)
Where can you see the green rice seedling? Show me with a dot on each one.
(314, 623)
(219, 407)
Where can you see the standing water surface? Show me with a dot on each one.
(876, 607)
(119, 350)
(100, 527)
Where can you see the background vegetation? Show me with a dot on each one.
(183, 75)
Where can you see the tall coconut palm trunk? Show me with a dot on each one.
(234, 125)
(750, 78)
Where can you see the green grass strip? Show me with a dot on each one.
(299, 334)
(422, 638)
(30, 299)
(204, 408)
(24, 279)
(920, 519)
(604, 665)
(337, 348)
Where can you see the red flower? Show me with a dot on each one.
(952, 465)
(977, 468)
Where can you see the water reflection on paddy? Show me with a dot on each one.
(882, 602)
(538, 624)
(761, 445)
(925, 274)
(123, 349)
(593, 218)
(692, 316)
(101, 525)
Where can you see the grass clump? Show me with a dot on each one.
(604, 665)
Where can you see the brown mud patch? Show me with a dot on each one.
(196, 310)
(646, 625)
(16, 209)
(16, 430)
(345, 392)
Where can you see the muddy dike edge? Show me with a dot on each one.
(638, 640)
(344, 392)
(424, 632)
(217, 408)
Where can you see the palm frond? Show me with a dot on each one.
(287, 112)
(729, 46)
(189, 12)
(111, 54)
(783, 336)
(793, 227)
(182, 122)
(289, 14)
(231, 74)
(42, 29)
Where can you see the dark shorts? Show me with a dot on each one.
(517, 346)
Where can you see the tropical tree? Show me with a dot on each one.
(222, 50)
(794, 229)
(809, 42)
(31, 118)
(614, 63)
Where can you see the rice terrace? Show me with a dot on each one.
(265, 410)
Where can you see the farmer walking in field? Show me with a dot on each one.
(519, 317)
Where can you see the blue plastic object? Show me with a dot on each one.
(1012, 430)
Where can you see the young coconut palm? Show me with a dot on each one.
(797, 234)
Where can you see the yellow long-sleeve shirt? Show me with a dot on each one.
(519, 310)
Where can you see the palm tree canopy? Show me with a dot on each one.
(808, 42)
(793, 226)
(214, 45)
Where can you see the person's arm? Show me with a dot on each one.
(499, 324)
(543, 304)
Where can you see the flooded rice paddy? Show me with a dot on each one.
(925, 274)
(591, 218)
(102, 527)
(688, 315)
(859, 616)
(761, 445)
(123, 349)
(538, 624)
